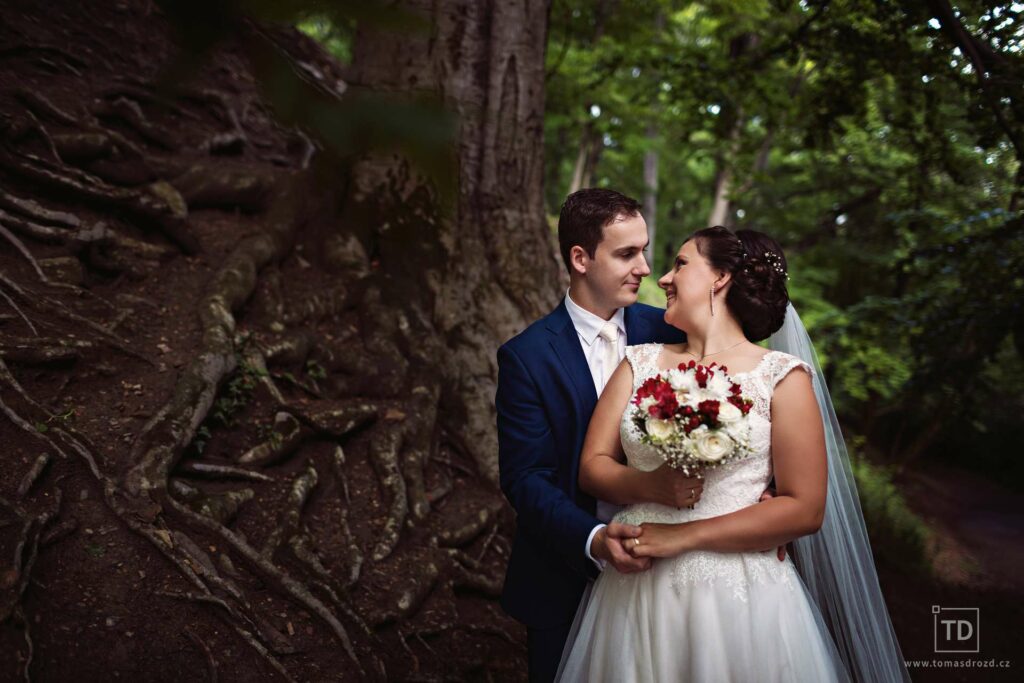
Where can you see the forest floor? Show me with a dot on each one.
(977, 552)
(101, 601)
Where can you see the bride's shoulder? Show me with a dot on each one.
(778, 365)
(643, 353)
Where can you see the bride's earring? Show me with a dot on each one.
(712, 300)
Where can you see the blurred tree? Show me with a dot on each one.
(880, 142)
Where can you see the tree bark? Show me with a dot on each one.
(651, 191)
(473, 276)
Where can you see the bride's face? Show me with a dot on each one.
(687, 288)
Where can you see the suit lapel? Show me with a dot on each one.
(638, 328)
(566, 344)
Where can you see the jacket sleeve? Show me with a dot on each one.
(528, 466)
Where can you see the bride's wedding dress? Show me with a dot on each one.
(704, 616)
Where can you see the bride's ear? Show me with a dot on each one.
(724, 278)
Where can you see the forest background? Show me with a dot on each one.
(257, 258)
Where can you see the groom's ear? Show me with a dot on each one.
(579, 259)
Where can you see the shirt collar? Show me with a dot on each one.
(588, 325)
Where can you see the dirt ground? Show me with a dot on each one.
(101, 601)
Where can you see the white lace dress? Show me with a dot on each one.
(703, 616)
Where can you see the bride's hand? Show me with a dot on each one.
(660, 540)
(670, 487)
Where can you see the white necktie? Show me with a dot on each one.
(610, 356)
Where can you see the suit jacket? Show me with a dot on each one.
(545, 399)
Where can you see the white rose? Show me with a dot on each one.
(660, 430)
(699, 395)
(727, 412)
(712, 446)
(719, 385)
(682, 382)
(645, 404)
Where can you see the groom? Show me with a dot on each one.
(549, 379)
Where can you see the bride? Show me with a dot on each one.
(715, 604)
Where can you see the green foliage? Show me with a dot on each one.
(315, 370)
(267, 433)
(348, 123)
(859, 135)
(237, 394)
(899, 537)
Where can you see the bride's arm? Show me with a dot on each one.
(603, 472)
(801, 476)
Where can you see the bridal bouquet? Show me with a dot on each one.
(695, 416)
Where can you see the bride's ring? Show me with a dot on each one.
(636, 541)
(691, 493)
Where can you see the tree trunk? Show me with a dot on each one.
(651, 191)
(284, 372)
(586, 157)
(477, 276)
(720, 207)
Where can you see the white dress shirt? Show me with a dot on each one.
(588, 327)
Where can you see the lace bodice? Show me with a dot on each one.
(728, 488)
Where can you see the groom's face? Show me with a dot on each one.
(618, 266)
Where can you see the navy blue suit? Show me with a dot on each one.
(545, 399)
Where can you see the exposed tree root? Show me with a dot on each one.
(152, 206)
(37, 212)
(287, 435)
(211, 663)
(255, 359)
(20, 312)
(33, 473)
(216, 183)
(321, 305)
(41, 350)
(41, 106)
(467, 579)
(14, 581)
(384, 457)
(206, 469)
(129, 112)
(353, 554)
(221, 507)
(294, 588)
(458, 536)
(23, 250)
(292, 427)
(408, 601)
(191, 561)
(165, 437)
(288, 524)
(44, 303)
(246, 635)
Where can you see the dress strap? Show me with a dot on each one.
(643, 359)
(781, 364)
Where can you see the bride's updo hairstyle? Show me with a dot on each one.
(758, 296)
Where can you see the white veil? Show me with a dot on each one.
(836, 563)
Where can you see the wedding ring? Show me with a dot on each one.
(636, 540)
(691, 492)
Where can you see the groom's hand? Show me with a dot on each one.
(608, 546)
(768, 494)
(670, 487)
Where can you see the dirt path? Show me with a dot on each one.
(978, 542)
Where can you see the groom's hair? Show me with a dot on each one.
(584, 215)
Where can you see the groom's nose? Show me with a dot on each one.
(642, 268)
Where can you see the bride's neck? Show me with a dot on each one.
(714, 335)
